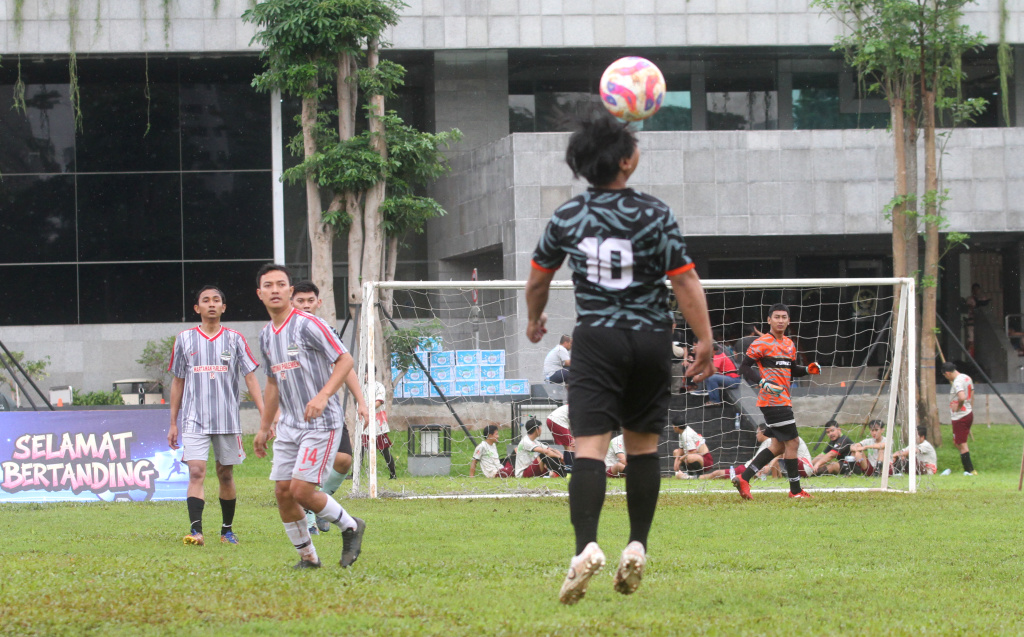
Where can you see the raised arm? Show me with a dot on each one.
(694, 306)
(537, 286)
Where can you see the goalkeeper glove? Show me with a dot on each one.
(771, 388)
(814, 368)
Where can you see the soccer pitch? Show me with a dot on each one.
(944, 561)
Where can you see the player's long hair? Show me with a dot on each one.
(598, 144)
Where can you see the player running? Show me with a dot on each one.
(621, 245)
(306, 365)
(775, 356)
(206, 362)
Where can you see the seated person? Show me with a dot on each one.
(487, 455)
(725, 377)
(927, 460)
(833, 461)
(615, 461)
(692, 453)
(558, 423)
(728, 474)
(556, 363)
(865, 452)
(528, 461)
(803, 457)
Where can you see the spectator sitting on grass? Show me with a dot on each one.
(731, 472)
(927, 460)
(528, 454)
(615, 461)
(803, 457)
(865, 452)
(693, 453)
(833, 461)
(486, 454)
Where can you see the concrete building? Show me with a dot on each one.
(765, 134)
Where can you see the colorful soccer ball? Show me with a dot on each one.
(632, 88)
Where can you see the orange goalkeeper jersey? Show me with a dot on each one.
(776, 359)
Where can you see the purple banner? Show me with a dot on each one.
(89, 456)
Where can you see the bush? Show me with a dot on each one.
(97, 397)
(156, 356)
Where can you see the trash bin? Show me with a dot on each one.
(60, 395)
(430, 450)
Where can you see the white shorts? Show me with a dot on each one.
(227, 448)
(303, 454)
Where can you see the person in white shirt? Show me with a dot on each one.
(805, 465)
(865, 452)
(528, 461)
(486, 454)
(728, 474)
(693, 453)
(927, 460)
(383, 441)
(961, 395)
(615, 461)
(556, 363)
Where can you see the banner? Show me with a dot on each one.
(89, 456)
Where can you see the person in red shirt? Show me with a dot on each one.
(775, 357)
(725, 377)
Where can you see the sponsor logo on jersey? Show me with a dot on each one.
(225, 356)
(202, 369)
(293, 350)
(280, 367)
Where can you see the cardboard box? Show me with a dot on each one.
(467, 357)
(490, 388)
(492, 357)
(492, 372)
(515, 387)
(399, 388)
(440, 373)
(416, 389)
(447, 386)
(415, 375)
(467, 372)
(442, 359)
(467, 387)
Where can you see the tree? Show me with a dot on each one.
(910, 51)
(35, 369)
(367, 167)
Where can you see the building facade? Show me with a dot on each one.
(172, 180)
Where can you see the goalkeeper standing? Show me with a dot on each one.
(621, 245)
(775, 356)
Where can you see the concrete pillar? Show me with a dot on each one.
(471, 94)
(785, 88)
(698, 98)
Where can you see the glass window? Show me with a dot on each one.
(743, 110)
(817, 104)
(131, 293)
(42, 139)
(130, 217)
(238, 282)
(37, 218)
(522, 114)
(224, 127)
(227, 215)
(38, 295)
(675, 114)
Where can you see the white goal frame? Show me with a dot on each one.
(904, 345)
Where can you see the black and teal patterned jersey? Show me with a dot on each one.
(621, 245)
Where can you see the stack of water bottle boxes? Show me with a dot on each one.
(464, 372)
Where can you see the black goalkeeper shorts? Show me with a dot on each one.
(619, 379)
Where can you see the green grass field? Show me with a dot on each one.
(945, 561)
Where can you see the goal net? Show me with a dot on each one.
(455, 361)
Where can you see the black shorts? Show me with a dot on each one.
(345, 443)
(786, 429)
(620, 379)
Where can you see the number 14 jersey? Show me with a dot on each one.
(621, 244)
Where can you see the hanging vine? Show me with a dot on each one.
(19, 5)
(167, 21)
(19, 91)
(76, 103)
(146, 92)
(1005, 58)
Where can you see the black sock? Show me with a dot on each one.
(195, 513)
(227, 511)
(793, 471)
(586, 497)
(389, 459)
(643, 480)
(760, 460)
(965, 458)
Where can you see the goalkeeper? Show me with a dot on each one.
(775, 356)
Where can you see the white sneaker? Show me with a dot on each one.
(631, 568)
(682, 475)
(581, 569)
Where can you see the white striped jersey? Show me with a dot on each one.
(300, 355)
(211, 367)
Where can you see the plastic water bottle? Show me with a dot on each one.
(946, 472)
(736, 422)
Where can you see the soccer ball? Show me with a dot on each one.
(632, 88)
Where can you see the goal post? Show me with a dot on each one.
(455, 359)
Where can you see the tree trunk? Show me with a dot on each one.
(391, 264)
(928, 410)
(373, 233)
(899, 219)
(321, 235)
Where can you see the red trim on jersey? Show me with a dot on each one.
(327, 454)
(277, 330)
(210, 338)
(537, 266)
(683, 268)
(245, 343)
(326, 332)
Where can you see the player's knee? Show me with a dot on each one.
(196, 473)
(226, 474)
(342, 462)
(283, 491)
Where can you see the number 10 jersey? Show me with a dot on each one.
(621, 245)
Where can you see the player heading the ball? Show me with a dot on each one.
(306, 364)
(206, 362)
(775, 357)
(621, 246)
